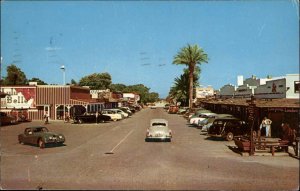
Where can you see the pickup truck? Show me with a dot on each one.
(91, 118)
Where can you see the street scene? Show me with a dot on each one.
(190, 161)
(149, 95)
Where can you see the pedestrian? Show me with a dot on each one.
(67, 117)
(268, 127)
(265, 127)
(46, 117)
(97, 115)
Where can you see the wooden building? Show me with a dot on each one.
(278, 110)
(55, 100)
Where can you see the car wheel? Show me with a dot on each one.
(229, 136)
(41, 144)
(21, 142)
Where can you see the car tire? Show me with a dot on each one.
(41, 143)
(20, 142)
(229, 136)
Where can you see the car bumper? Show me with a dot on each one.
(158, 138)
(214, 135)
(56, 141)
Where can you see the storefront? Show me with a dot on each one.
(54, 100)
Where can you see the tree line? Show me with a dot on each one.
(96, 81)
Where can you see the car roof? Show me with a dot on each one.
(158, 121)
(227, 119)
(36, 127)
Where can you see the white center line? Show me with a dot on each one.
(121, 141)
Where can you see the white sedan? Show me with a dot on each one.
(158, 130)
(201, 117)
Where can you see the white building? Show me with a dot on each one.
(131, 97)
(203, 92)
(280, 87)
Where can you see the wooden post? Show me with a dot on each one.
(251, 118)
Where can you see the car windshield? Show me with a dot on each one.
(40, 129)
(159, 124)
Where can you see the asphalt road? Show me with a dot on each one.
(190, 161)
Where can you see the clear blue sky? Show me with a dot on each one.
(136, 41)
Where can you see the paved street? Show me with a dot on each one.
(190, 161)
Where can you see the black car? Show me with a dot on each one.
(228, 128)
(91, 118)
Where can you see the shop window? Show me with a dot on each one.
(297, 86)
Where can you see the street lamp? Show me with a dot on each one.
(64, 83)
(64, 74)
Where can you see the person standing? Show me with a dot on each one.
(268, 127)
(97, 115)
(46, 117)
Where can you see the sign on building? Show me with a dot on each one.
(19, 97)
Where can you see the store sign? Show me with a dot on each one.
(19, 97)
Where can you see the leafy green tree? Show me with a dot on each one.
(180, 90)
(15, 76)
(117, 87)
(73, 82)
(191, 55)
(96, 81)
(39, 81)
(152, 97)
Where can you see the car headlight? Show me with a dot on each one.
(60, 136)
(50, 138)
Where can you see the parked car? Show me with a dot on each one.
(159, 130)
(194, 120)
(197, 112)
(205, 124)
(40, 136)
(182, 110)
(112, 114)
(173, 109)
(91, 118)
(120, 112)
(7, 119)
(228, 128)
(166, 107)
(126, 110)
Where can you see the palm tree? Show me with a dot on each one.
(191, 55)
(180, 90)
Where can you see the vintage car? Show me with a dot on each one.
(126, 110)
(125, 115)
(205, 124)
(227, 128)
(194, 120)
(40, 136)
(159, 130)
(112, 114)
(173, 109)
(7, 119)
(91, 118)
